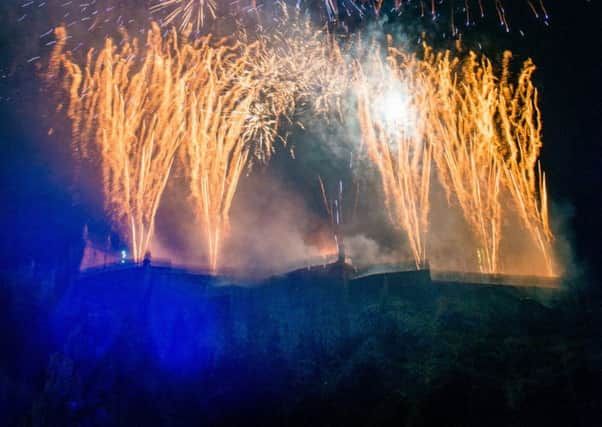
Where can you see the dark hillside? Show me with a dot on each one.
(154, 345)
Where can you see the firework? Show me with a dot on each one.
(222, 102)
(391, 99)
(482, 131)
(223, 98)
(301, 73)
(241, 93)
(463, 136)
(126, 109)
(486, 136)
(187, 13)
(521, 124)
(217, 119)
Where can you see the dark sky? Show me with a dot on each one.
(569, 71)
(41, 218)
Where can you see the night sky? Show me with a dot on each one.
(41, 217)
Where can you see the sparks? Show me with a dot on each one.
(125, 109)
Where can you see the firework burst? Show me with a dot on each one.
(186, 13)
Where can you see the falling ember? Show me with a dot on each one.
(126, 108)
(334, 10)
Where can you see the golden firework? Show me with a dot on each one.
(482, 131)
(126, 108)
(391, 99)
(217, 119)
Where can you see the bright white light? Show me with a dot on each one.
(392, 108)
(395, 111)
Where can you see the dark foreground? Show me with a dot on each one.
(154, 346)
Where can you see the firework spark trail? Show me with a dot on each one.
(393, 132)
(521, 135)
(127, 109)
(217, 150)
(194, 14)
(240, 95)
(462, 117)
(334, 208)
(482, 131)
(486, 138)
